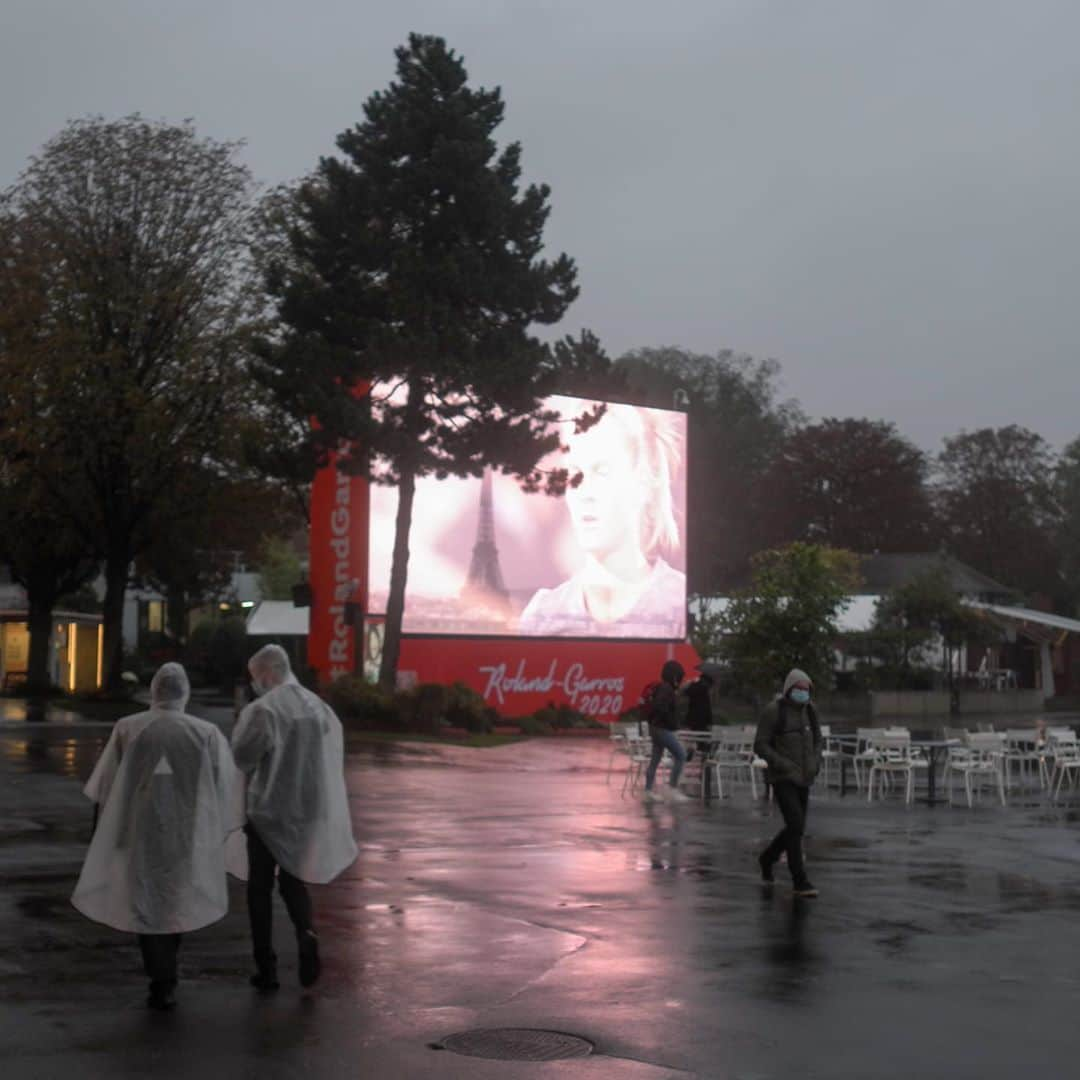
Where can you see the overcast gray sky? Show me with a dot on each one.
(881, 194)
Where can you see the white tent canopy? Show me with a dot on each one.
(1039, 626)
(1029, 615)
(277, 618)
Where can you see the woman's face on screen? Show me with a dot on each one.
(606, 506)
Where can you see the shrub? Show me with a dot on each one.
(567, 717)
(534, 725)
(564, 717)
(363, 704)
(423, 707)
(548, 716)
(465, 708)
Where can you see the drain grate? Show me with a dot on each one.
(517, 1044)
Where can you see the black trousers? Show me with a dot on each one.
(793, 800)
(159, 953)
(260, 898)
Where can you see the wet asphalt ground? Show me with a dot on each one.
(515, 887)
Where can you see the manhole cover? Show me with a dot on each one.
(517, 1044)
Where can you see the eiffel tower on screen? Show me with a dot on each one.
(484, 587)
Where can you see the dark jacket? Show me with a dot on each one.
(699, 706)
(789, 739)
(663, 709)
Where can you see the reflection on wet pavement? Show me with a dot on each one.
(514, 887)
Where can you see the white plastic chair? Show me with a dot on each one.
(955, 756)
(830, 752)
(733, 753)
(620, 732)
(986, 754)
(862, 756)
(639, 753)
(1066, 756)
(1021, 752)
(1047, 754)
(891, 756)
(706, 752)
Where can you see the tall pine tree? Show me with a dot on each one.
(413, 262)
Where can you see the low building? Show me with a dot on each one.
(75, 645)
(1035, 650)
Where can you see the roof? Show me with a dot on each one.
(277, 618)
(882, 573)
(85, 618)
(1031, 617)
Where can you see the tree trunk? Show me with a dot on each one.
(40, 623)
(399, 573)
(116, 578)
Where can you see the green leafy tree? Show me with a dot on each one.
(407, 274)
(45, 548)
(582, 367)
(1067, 484)
(787, 617)
(854, 484)
(999, 508)
(193, 561)
(706, 628)
(920, 623)
(736, 423)
(137, 373)
(279, 569)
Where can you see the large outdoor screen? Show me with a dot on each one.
(607, 559)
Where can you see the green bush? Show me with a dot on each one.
(465, 708)
(565, 717)
(534, 725)
(890, 677)
(365, 705)
(423, 708)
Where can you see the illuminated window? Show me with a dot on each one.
(73, 655)
(155, 616)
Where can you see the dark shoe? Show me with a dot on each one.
(266, 982)
(309, 958)
(766, 870)
(161, 998)
(805, 891)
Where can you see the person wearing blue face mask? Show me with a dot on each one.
(789, 740)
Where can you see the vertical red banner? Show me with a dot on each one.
(338, 570)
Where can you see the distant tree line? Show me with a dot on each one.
(168, 334)
(763, 476)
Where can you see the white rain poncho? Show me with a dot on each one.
(156, 863)
(289, 745)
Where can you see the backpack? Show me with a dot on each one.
(647, 701)
(648, 696)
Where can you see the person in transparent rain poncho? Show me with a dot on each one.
(289, 745)
(166, 792)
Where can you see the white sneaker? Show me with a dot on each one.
(675, 795)
(653, 796)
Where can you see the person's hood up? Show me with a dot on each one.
(795, 675)
(169, 688)
(672, 672)
(270, 668)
